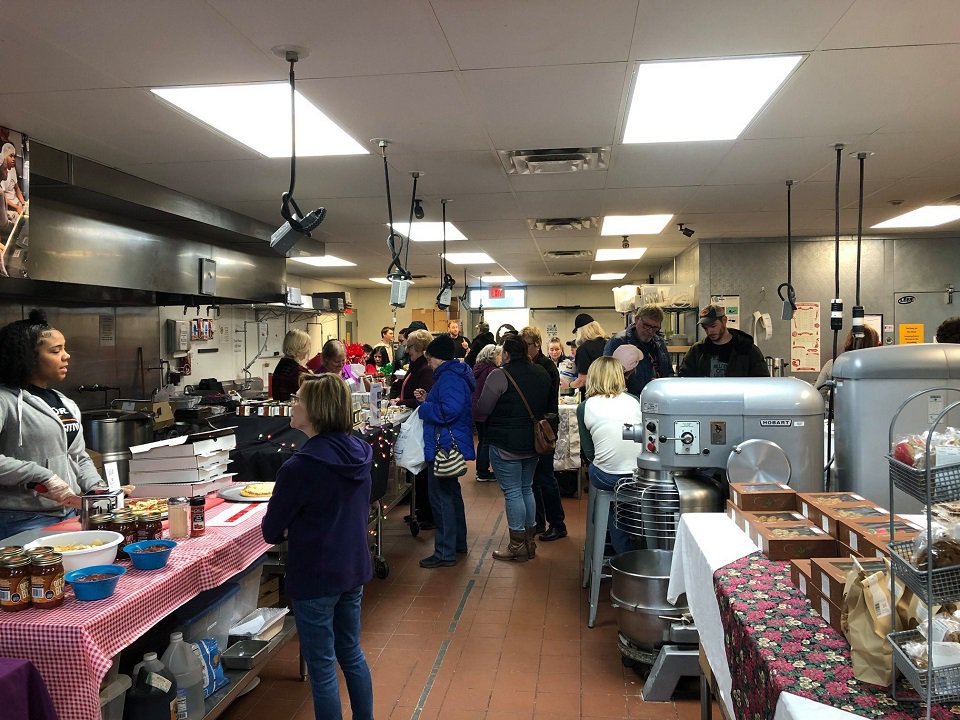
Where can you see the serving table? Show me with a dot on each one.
(73, 645)
(745, 607)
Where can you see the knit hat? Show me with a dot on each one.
(442, 348)
(581, 320)
(711, 313)
(629, 356)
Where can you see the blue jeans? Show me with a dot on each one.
(515, 478)
(483, 450)
(329, 629)
(621, 541)
(546, 493)
(18, 521)
(446, 501)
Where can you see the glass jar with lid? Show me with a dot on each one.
(125, 524)
(14, 582)
(149, 526)
(46, 581)
(178, 515)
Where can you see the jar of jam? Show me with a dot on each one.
(149, 526)
(38, 551)
(198, 518)
(14, 582)
(7, 549)
(124, 523)
(100, 522)
(46, 581)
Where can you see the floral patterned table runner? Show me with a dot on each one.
(776, 643)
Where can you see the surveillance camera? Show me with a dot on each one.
(685, 230)
(418, 209)
(626, 243)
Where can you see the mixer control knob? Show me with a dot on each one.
(652, 426)
(686, 438)
(652, 446)
(663, 438)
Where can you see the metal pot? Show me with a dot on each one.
(639, 592)
(776, 367)
(115, 431)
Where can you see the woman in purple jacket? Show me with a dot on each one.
(320, 506)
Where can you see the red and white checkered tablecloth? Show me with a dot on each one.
(72, 646)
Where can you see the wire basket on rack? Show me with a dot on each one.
(945, 681)
(944, 481)
(946, 581)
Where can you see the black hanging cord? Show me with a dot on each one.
(857, 327)
(413, 205)
(836, 314)
(446, 280)
(396, 270)
(787, 287)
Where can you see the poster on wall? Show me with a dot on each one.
(15, 190)
(805, 338)
(731, 305)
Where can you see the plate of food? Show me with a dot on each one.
(248, 492)
(142, 505)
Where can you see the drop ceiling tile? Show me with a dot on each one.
(774, 161)
(911, 194)
(504, 33)
(448, 173)
(647, 200)
(569, 203)
(50, 67)
(896, 155)
(574, 105)
(876, 23)
(589, 180)
(476, 206)
(496, 230)
(664, 164)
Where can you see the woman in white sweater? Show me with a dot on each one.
(601, 419)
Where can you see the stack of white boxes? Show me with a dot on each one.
(186, 466)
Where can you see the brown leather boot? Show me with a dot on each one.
(516, 550)
(531, 539)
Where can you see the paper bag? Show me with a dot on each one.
(866, 621)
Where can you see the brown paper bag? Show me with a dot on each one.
(866, 621)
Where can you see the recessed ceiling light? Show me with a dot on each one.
(634, 224)
(258, 115)
(608, 276)
(498, 278)
(604, 254)
(927, 216)
(384, 281)
(696, 100)
(428, 231)
(324, 261)
(466, 258)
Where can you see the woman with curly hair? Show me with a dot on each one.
(44, 466)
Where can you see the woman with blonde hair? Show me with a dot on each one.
(601, 419)
(591, 339)
(320, 507)
(286, 375)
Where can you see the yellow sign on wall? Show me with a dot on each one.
(911, 334)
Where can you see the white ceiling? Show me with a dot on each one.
(451, 82)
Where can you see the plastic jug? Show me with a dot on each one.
(187, 668)
(154, 692)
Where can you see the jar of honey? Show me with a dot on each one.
(46, 581)
(149, 526)
(100, 522)
(14, 582)
(124, 523)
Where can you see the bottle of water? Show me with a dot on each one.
(188, 671)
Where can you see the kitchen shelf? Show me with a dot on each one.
(945, 681)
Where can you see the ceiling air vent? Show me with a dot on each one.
(565, 223)
(560, 160)
(569, 273)
(567, 254)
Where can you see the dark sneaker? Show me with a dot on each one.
(434, 562)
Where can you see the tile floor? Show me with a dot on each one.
(482, 640)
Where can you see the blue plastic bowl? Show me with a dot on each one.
(149, 560)
(95, 589)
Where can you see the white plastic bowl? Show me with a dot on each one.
(75, 559)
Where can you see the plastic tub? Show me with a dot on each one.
(76, 559)
(112, 698)
(149, 560)
(249, 582)
(209, 614)
(95, 589)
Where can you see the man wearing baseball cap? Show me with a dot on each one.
(644, 336)
(724, 352)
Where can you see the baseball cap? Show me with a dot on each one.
(711, 313)
(629, 356)
(581, 320)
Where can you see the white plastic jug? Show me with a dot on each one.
(187, 668)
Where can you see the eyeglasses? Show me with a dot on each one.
(648, 326)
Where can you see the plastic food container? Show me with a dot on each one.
(149, 560)
(258, 624)
(245, 655)
(95, 589)
(75, 559)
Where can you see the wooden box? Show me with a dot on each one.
(743, 519)
(798, 541)
(870, 539)
(832, 517)
(800, 574)
(830, 575)
(826, 609)
(763, 496)
(809, 504)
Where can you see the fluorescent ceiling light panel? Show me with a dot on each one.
(466, 258)
(384, 281)
(696, 100)
(498, 279)
(634, 224)
(927, 216)
(604, 254)
(324, 261)
(258, 115)
(608, 276)
(428, 231)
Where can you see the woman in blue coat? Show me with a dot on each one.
(447, 420)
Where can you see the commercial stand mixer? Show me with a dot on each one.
(698, 434)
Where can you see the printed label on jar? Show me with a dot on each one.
(14, 593)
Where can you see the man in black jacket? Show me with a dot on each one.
(484, 337)
(546, 493)
(725, 352)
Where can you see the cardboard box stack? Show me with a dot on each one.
(183, 466)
